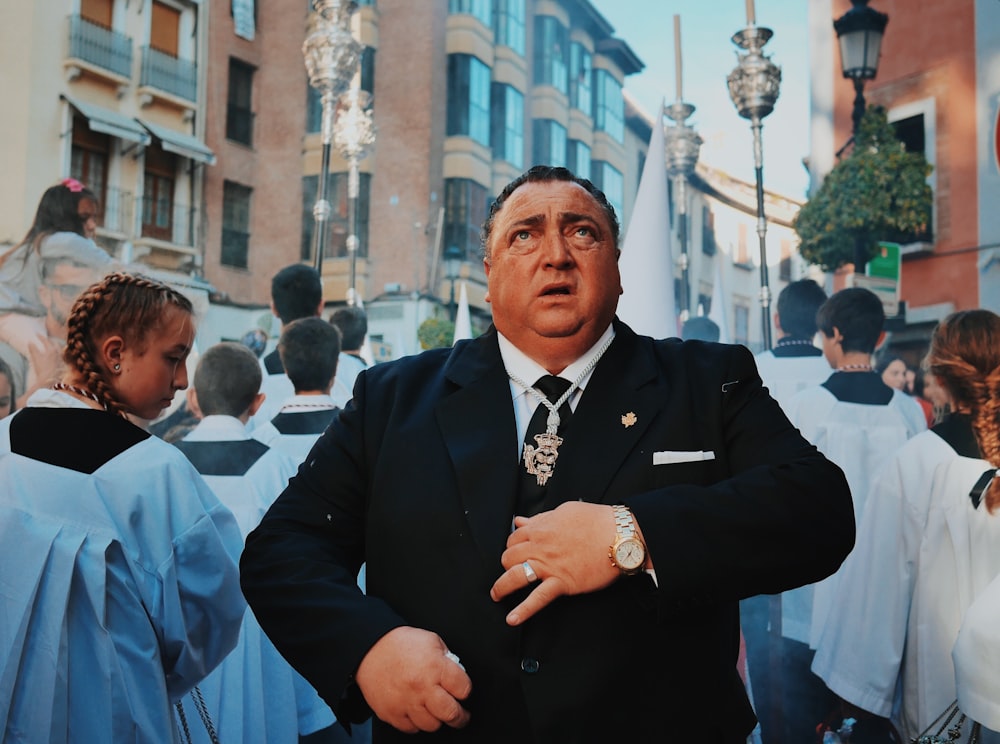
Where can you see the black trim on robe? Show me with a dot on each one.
(956, 430)
(273, 365)
(310, 422)
(53, 436)
(223, 457)
(866, 388)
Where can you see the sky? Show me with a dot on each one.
(708, 56)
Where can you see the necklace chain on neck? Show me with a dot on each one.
(552, 423)
(82, 392)
(855, 368)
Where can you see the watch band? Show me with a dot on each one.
(624, 521)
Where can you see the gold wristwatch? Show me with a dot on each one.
(628, 553)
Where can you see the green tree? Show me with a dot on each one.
(436, 333)
(878, 192)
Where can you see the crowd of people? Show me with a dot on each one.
(559, 531)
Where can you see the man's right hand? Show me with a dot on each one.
(410, 684)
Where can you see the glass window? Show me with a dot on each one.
(158, 193)
(235, 225)
(468, 98)
(338, 224)
(549, 143)
(580, 73)
(578, 158)
(239, 113)
(507, 124)
(481, 9)
(367, 81)
(508, 24)
(465, 204)
(609, 180)
(551, 42)
(609, 106)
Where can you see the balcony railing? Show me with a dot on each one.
(117, 209)
(175, 76)
(165, 219)
(100, 46)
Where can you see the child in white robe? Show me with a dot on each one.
(120, 583)
(254, 695)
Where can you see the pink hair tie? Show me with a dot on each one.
(73, 185)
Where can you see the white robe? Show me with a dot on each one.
(785, 376)
(296, 446)
(977, 659)
(887, 646)
(348, 369)
(119, 589)
(859, 438)
(254, 695)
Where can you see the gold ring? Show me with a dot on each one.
(529, 573)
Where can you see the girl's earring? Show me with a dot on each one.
(118, 368)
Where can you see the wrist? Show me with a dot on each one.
(628, 552)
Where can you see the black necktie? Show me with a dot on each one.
(531, 495)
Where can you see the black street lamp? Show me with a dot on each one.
(453, 256)
(859, 32)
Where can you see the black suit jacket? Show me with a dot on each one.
(418, 478)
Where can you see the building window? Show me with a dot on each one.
(609, 106)
(164, 29)
(508, 24)
(551, 48)
(912, 132)
(507, 124)
(578, 158)
(465, 204)
(235, 225)
(708, 246)
(580, 73)
(239, 113)
(158, 194)
(338, 226)
(548, 143)
(479, 9)
(468, 98)
(741, 324)
(610, 180)
(89, 161)
(367, 82)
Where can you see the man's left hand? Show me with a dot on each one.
(566, 548)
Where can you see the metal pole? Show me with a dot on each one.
(322, 208)
(352, 229)
(452, 305)
(682, 234)
(765, 288)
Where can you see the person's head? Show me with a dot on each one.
(964, 357)
(309, 349)
(63, 279)
(255, 340)
(296, 292)
(352, 322)
(69, 206)
(226, 382)
(893, 370)
(797, 307)
(852, 318)
(127, 342)
(700, 328)
(551, 260)
(8, 393)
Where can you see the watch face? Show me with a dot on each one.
(629, 554)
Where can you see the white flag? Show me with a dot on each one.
(719, 311)
(463, 322)
(646, 264)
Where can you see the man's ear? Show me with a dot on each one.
(111, 352)
(192, 403)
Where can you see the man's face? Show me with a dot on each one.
(552, 270)
(58, 293)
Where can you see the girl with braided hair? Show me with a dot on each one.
(119, 577)
(927, 545)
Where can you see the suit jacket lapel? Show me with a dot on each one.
(477, 423)
(624, 396)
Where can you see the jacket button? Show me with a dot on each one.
(529, 665)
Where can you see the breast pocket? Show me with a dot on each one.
(673, 467)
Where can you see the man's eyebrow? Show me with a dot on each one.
(532, 221)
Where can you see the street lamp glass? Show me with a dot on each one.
(859, 32)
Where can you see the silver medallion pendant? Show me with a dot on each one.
(540, 461)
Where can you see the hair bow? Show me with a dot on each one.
(73, 185)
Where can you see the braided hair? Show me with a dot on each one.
(965, 358)
(122, 304)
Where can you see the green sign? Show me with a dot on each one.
(886, 262)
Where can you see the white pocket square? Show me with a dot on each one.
(670, 457)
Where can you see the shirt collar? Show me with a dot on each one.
(520, 365)
(309, 401)
(218, 429)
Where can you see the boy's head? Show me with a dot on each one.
(352, 323)
(798, 304)
(226, 382)
(309, 349)
(296, 292)
(857, 314)
(700, 328)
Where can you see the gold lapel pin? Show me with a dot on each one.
(628, 419)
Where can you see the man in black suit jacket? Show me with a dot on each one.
(678, 487)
